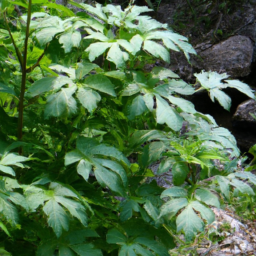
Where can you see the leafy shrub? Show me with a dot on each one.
(91, 121)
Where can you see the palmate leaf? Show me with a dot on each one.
(189, 222)
(205, 129)
(212, 82)
(108, 172)
(54, 200)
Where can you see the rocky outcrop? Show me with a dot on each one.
(232, 56)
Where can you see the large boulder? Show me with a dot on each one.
(243, 117)
(233, 56)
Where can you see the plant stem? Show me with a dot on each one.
(174, 236)
(24, 74)
(200, 89)
(30, 69)
(13, 42)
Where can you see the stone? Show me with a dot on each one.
(244, 110)
(244, 125)
(232, 56)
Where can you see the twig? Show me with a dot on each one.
(30, 69)
(13, 42)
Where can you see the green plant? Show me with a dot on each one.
(82, 122)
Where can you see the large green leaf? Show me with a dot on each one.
(207, 197)
(88, 98)
(242, 87)
(47, 84)
(84, 168)
(54, 200)
(114, 236)
(205, 212)
(189, 222)
(156, 50)
(61, 104)
(57, 217)
(83, 68)
(6, 89)
(180, 171)
(173, 206)
(96, 49)
(108, 172)
(224, 185)
(221, 97)
(86, 250)
(151, 210)
(212, 81)
(100, 83)
(127, 209)
(174, 192)
(242, 186)
(185, 105)
(137, 107)
(45, 35)
(166, 114)
(11, 159)
(8, 210)
(116, 55)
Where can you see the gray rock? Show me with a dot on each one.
(244, 125)
(233, 56)
(243, 111)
